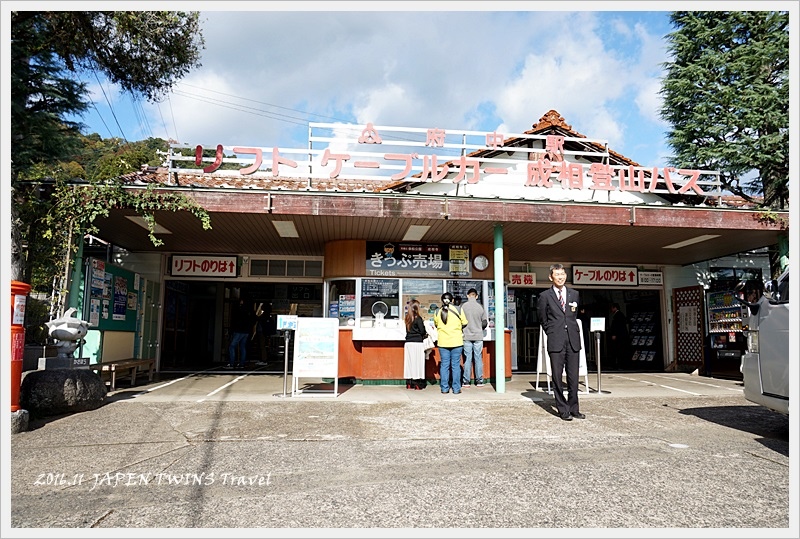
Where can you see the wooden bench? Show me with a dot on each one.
(111, 371)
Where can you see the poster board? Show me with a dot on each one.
(111, 296)
(316, 352)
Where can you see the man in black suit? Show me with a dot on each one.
(558, 313)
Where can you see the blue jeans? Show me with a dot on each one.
(473, 350)
(451, 362)
(238, 340)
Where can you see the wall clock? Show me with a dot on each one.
(480, 262)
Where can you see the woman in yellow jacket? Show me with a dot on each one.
(449, 322)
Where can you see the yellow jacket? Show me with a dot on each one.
(450, 334)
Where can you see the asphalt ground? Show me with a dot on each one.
(659, 454)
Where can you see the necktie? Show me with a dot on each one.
(561, 300)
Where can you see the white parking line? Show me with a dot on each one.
(681, 390)
(659, 385)
(146, 391)
(716, 386)
(223, 387)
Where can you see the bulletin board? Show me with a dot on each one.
(111, 296)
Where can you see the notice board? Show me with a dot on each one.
(316, 348)
(111, 296)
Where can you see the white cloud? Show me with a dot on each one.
(275, 71)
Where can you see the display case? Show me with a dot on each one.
(645, 338)
(725, 335)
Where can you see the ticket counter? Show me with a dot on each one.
(369, 284)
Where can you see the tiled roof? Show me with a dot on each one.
(161, 176)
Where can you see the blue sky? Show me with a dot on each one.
(266, 74)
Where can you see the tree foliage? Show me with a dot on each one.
(726, 95)
(145, 53)
(55, 201)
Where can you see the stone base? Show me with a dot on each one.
(19, 421)
(63, 363)
(61, 391)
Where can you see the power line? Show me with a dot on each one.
(102, 120)
(161, 114)
(243, 108)
(108, 102)
(264, 113)
(264, 103)
(177, 138)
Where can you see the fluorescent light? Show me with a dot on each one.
(415, 232)
(286, 229)
(698, 239)
(158, 229)
(557, 237)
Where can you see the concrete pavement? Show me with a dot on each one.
(661, 451)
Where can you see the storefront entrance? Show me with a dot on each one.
(641, 351)
(196, 318)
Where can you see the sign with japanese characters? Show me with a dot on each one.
(203, 266)
(605, 275)
(388, 259)
(425, 155)
(652, 278)
(519, 279)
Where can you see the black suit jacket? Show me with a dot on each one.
(554, 320)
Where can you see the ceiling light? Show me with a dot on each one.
(158, 229)
(558, 236)
(415, 232)
(691, 241)
(285, 229)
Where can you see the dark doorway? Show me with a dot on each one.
(641, 308)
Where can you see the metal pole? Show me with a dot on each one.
(499, 312)
(285, 362)
(285, 359)
(597, 338)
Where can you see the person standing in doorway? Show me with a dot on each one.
(414, 348)
(477, 320)
(557, 308)
(243, 318)
(449, 322)
(618, 337)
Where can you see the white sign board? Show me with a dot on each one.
(605, 275)
(653, 278)
(316, 348)
(287, 321)
(597, 323)
(203, 266)
(519, 279)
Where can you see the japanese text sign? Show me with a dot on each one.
(520, 279)
(203, 266)
(605, 275)
(372, 156)
(387, 259)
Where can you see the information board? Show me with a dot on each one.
(316, 348)
(113, 296)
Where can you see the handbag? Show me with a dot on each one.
(428, 342)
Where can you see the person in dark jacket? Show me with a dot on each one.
(243, 320)
(618, 344)
(414, 348)
(557, 308)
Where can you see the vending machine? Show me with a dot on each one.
(726, 341)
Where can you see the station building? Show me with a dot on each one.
(368, 217)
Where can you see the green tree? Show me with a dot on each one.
(726, 95)
(145, 53)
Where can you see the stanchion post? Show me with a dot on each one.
(597, 348)
(19, 298)
(285, 359)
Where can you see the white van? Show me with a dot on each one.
(765, 363)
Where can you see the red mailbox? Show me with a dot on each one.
(19, 297)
